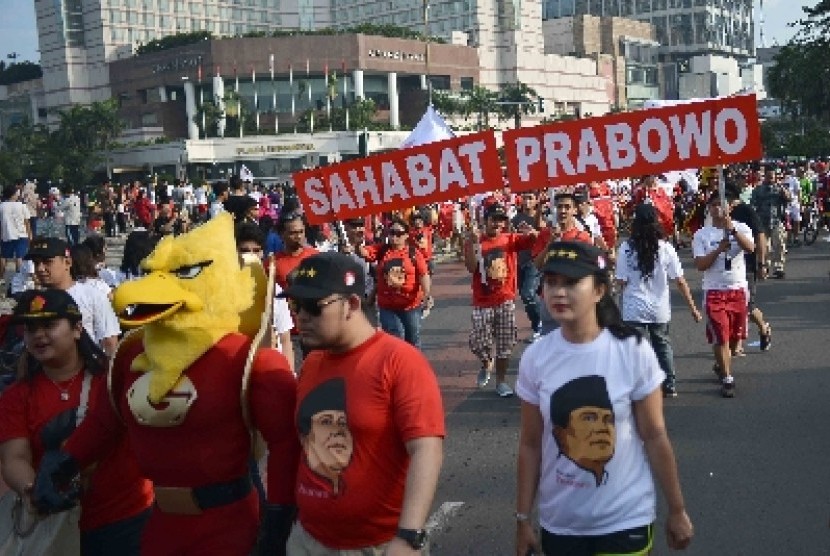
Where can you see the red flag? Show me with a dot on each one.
(218, 71)
(199, 73)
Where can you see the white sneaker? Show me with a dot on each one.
(483, 378)
(504, 390)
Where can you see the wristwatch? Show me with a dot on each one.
(416, 538)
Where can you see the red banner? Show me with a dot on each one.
(706, 133)
(400, 179)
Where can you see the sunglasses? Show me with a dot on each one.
(250, 249)
(312, 307)
(398, 233)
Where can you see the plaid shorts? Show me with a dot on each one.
(494, 331)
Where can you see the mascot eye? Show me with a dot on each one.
(191, 271)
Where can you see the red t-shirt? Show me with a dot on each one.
(545, 234)
(212, 444)
(116, 488)
(391, 397)
(424, 244)
(398, 277)
(286, 263)
(499, 254)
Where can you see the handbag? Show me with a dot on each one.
(26, 534)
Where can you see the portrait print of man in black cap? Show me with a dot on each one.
(583, 424)
(324, 431)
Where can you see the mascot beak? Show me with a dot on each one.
(154, 297)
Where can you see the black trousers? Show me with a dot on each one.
(122, 538)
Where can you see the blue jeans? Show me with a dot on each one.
(657, 333)
(73, 234)
(403, 324)
(528, 278)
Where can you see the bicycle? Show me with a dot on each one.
(811, 222)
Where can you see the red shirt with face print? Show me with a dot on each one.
(399, 273)
(499, 258)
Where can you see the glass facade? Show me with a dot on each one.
(705, 26)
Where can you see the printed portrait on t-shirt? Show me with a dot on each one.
(394, 272)
(582, 419)
(324, 432)
(495, 263)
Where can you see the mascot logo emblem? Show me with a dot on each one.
(170, 411)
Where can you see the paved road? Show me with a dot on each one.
(754, 469)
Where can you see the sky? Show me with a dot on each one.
(18, 31)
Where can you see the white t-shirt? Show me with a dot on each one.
(647, 300)
(552, 375)
(281, 317)
(13, 217)
(216, 208)
(98, 318)
(716, 277)
(201, 195)
(72, 210)
(794, 185)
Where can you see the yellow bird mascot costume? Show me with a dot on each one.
(188, 388)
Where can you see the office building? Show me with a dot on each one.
(684, 28)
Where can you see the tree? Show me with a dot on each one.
(17, 73)
(480, 101)
(207, 118)
(520, 100)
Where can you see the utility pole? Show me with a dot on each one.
(426, 52)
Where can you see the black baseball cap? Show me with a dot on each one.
(33, 305)
(323, 274)
(495, 210)
(47, 247)
(574, 259)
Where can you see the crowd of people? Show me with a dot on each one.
(339, 390)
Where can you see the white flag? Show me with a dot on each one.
(245, 174)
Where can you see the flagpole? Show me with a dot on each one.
(274, 97)
(256, 98)
(346, 95)
(328, 96)
(202, 100)
(310, 108)
(291, 93)
(238, 99)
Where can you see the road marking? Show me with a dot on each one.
(441, 517)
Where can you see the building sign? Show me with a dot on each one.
(177, 64)
(265, 149)
(396, 55)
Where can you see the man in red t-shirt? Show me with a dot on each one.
(370, 421)
(291, 228)
(491, 259)
(564, 229)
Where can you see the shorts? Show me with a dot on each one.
(794, 212)
(15, 248)
(302, 543)
(494, 332)
(631, 542)
(726, 314)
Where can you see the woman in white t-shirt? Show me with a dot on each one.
(592, 427)
(645, 266)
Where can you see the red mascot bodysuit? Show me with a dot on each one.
(186, 388)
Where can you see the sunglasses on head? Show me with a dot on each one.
(312, 307)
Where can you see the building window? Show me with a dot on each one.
(467, 83)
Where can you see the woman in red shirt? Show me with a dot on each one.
(402, 282)
(62, 371)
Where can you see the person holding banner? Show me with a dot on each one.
(491, 259)
(718, 251)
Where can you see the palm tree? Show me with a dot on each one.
(480, 101)
(520, 99)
